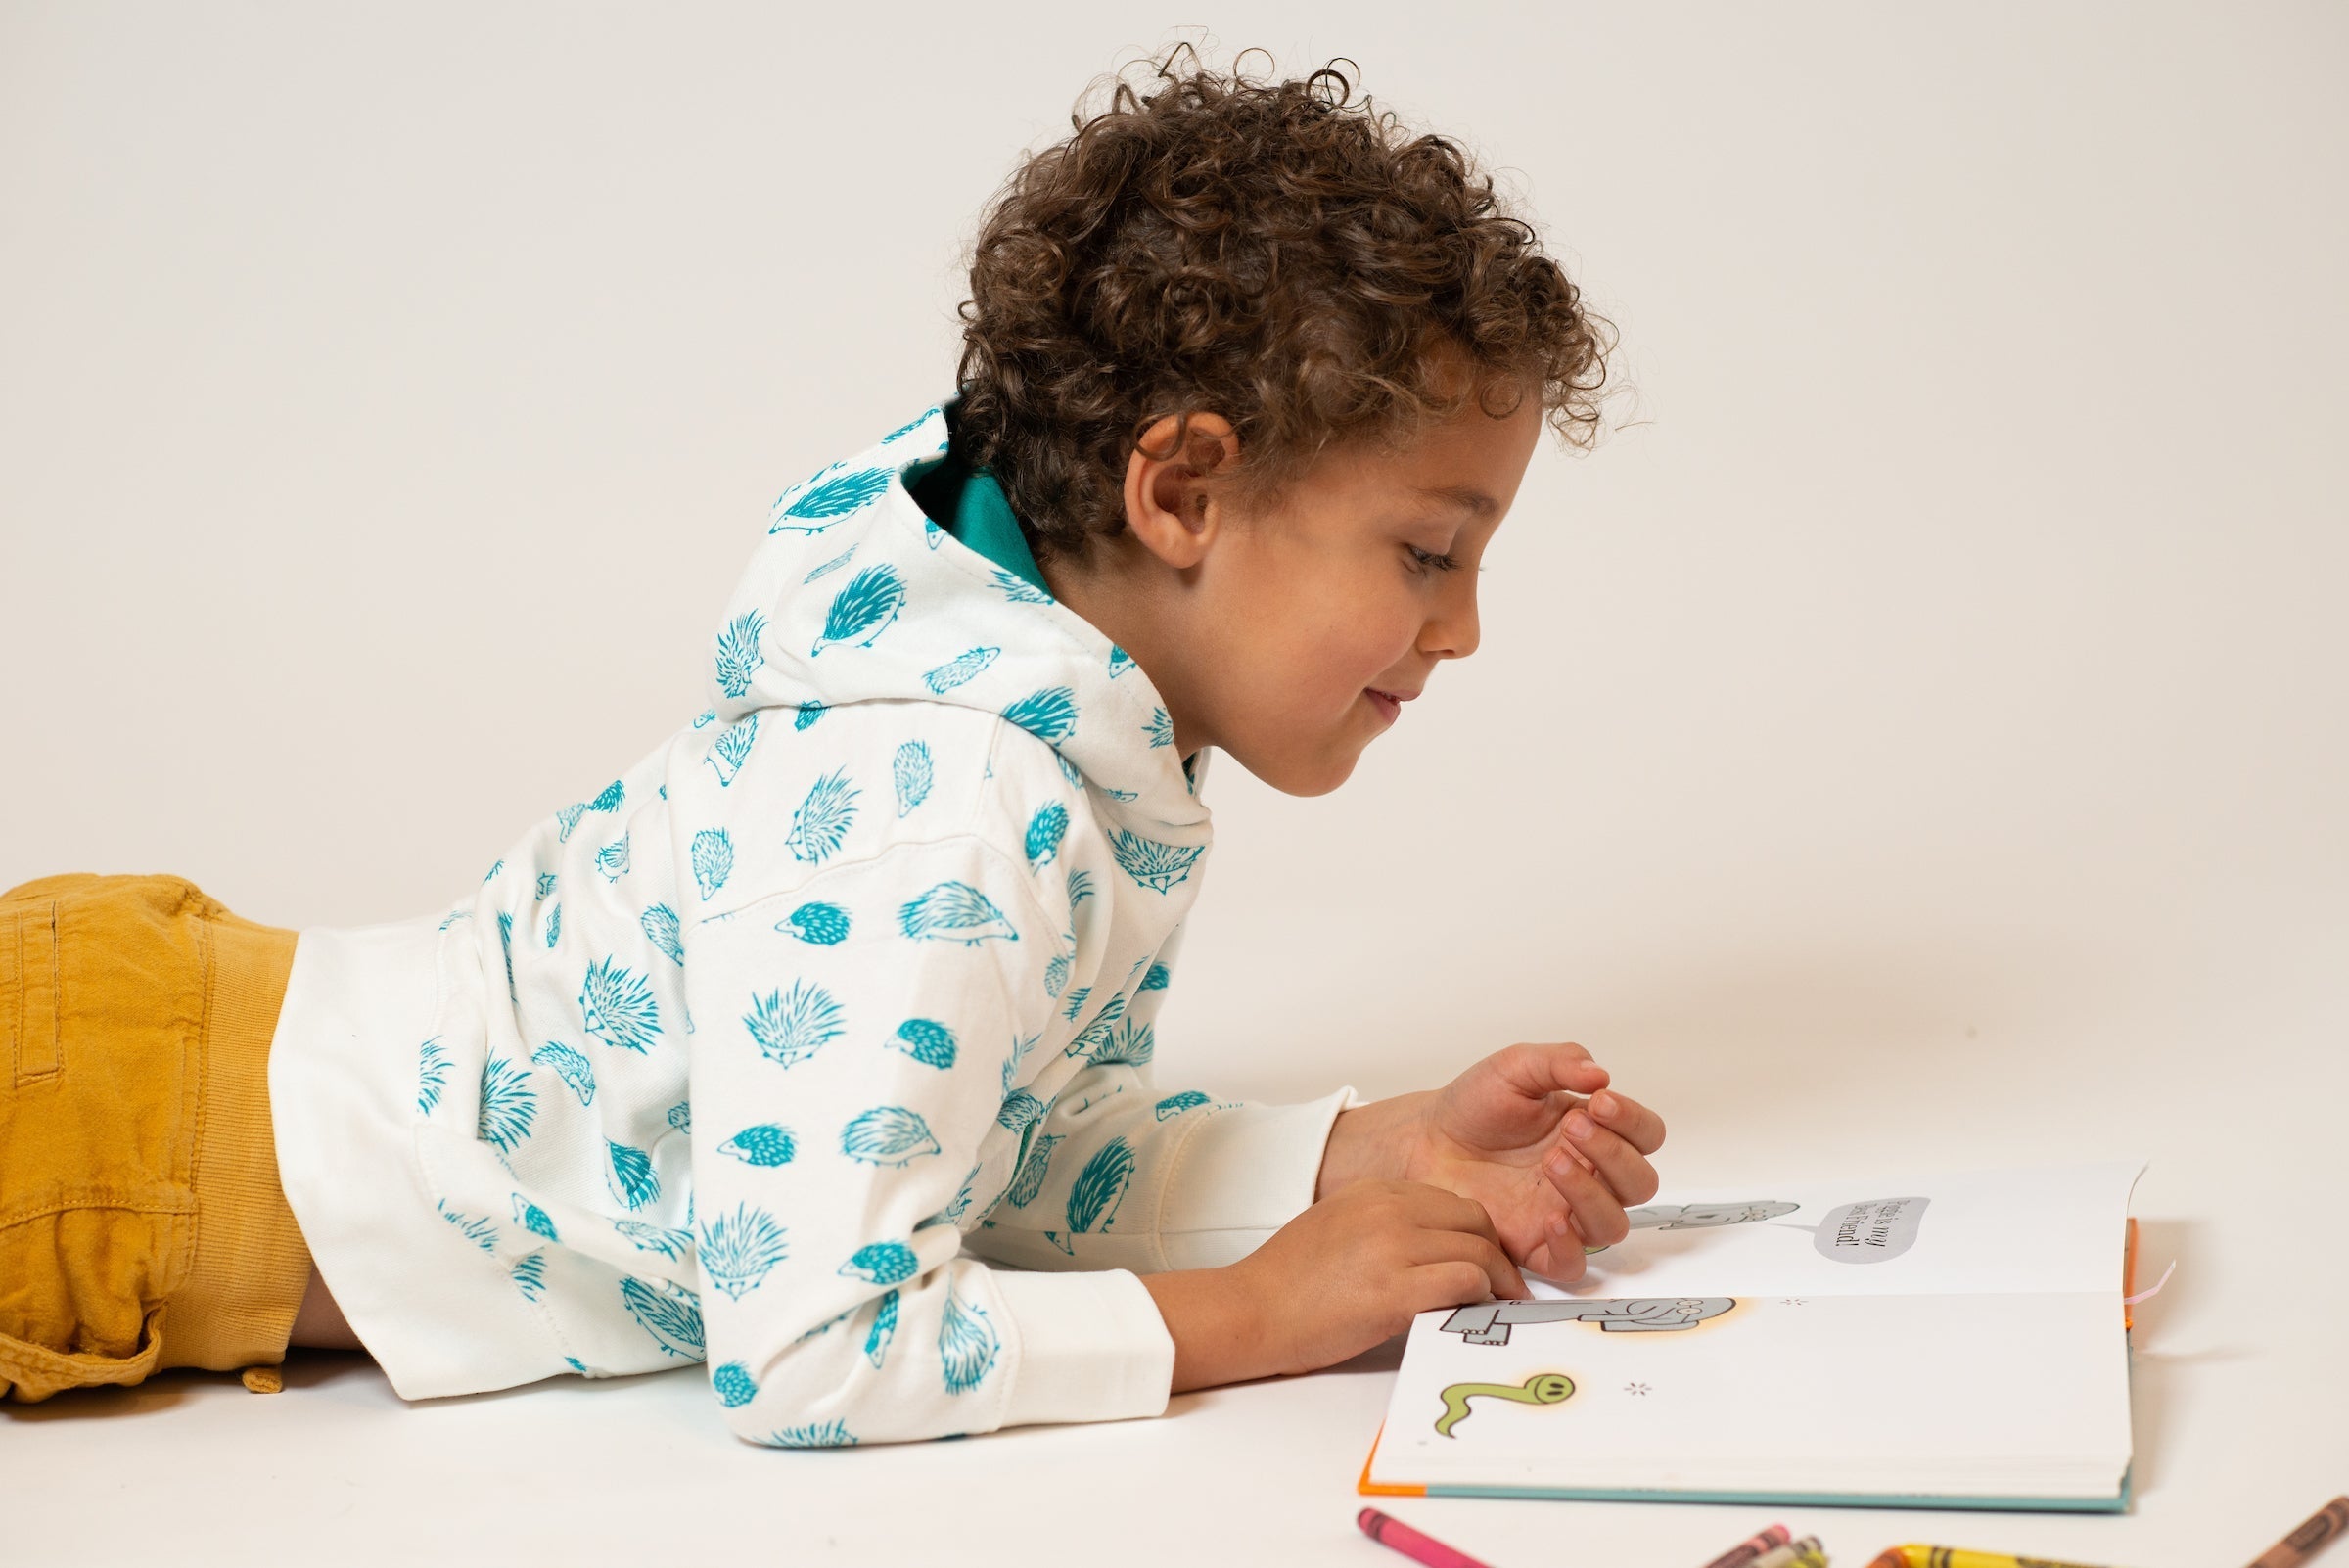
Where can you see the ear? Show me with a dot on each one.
(1174, 505)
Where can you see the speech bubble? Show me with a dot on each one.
(1871, 1231)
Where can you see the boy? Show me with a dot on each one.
(760, 1054)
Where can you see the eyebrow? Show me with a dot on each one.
(1476, 501)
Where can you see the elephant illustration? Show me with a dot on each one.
(1489, 1323)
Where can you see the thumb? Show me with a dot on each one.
(1537, 1070)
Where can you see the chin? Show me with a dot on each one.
(1301, 775)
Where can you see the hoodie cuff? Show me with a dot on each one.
(1243, 1172)
(1092, 1347)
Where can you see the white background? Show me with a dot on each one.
(1914, 737)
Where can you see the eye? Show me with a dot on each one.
(1423, 560)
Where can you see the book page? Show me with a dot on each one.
(2058, 1229)
(2021, 1395)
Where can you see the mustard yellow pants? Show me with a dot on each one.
(142, 1225)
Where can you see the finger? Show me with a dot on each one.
(1536, 1070)
(1443, 1246)
(1560, 1255)
(1628, 1120)
(1623, 1168)
(1597, 1213)
(1442, 1209)
(1452, 1283)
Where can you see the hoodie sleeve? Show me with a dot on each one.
(849, 1042)
(1113, 1175)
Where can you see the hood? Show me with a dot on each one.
(855, 595)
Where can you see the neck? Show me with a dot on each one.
(1140, 603)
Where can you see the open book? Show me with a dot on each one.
(1938, 1341)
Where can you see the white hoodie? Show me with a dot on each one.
(857, 970)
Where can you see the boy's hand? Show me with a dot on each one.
(1517, 1133)
(1348, 1273)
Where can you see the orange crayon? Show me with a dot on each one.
(2318, 1531)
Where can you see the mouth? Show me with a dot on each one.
(1387, 703)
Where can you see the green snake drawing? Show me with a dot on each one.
(1542, 1388)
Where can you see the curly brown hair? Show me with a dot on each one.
(1272, 252)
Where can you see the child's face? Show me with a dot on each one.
(1301, 615)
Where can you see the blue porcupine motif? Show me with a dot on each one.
(506, 941)
(569, 816)
(1018, 589)
(823, 817)
(739, 1250)
(546, 883)
(1046, 831)
(533, 1218)
(966, 1344)
(1155, 865)
(570, 1065)
(738, 657)
(813, 1435)
(884, 1329)
(431, 1073)
(1156, 979)
(1030, 1178)
(831, 566)
(670, 1244)
(617, 1007)
(609, 798)
(633, 1179)
(954, 911)
(1094, 1195)
(1176, 1104)
(1019, 1111)
(1076, 1003)
(887, 1134)
(661, 927)
(883, 1262)
(712, 859)
(1056, 973)
(1130, 1041)
(1094, 1036)
(823, 502)
(1081, 887)
(826, 924)
(1119, 660)
(1048, 714)
(958, 669)
(1160, 730)
(478, 1229)
(669, 1313)
(612, 858)
(792, 1026)
(734, 1385)
(507, 1105)
(764, 1144)
(911, 772)
(863, 610)
(529, 1275)
(925, 1041)
(809, 713)
(732, 749)
(680, 1117)
(554, 925)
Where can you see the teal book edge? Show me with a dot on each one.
(2117, 1504)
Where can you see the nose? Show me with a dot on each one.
(1453, 631)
